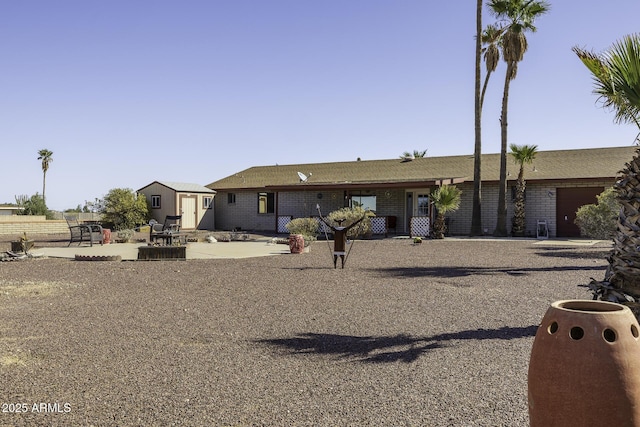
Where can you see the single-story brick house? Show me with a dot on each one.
(193, 201)
(265, 198)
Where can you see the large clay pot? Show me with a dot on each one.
(585, 366)
(296, 243)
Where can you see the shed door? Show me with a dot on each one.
(568, 201)
(188, 211)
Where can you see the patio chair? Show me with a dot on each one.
(84, 232)
(167, 231)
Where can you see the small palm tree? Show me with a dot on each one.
(519, 16)
(491, 38)
(616, 75)
(522, 154)
(416, 154)
(46, 157)
(445, 199)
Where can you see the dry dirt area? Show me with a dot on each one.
(437, 334)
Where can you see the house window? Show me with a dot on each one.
(364, 202)
(206, 202)
(266, 203)
(155, 202)
(231, 198)
(423, 205)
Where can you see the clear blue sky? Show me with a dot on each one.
(128, 92)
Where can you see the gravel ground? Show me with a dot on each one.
(437, 334)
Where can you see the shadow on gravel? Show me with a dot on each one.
(385, 349)
(471, 271)
(574, 254)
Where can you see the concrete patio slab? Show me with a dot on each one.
(195, 250)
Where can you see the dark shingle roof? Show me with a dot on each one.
(549, 165)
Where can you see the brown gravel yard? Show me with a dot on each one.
(437, 334)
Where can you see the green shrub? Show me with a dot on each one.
(351, 215)
(308, 227)
(124, 209)
(599, 221)
(33, 205)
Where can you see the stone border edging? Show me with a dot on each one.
(98, 258)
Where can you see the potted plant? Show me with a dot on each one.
(22, 244)
(302, 231)
(124, 236)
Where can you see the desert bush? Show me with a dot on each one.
(308, 227)
(33, 205)
(351, 215)
(125, 235)
(599, 220)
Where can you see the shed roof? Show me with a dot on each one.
(182, 187)
(549, 165)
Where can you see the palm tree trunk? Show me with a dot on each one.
(624, 260)
(476, 213)
(484, 89)
(44, 181)
(519, 219)
(501, 225)
(439, 226)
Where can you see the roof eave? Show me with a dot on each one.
(347, 185)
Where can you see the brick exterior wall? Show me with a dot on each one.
(18, 224)
(297, 204)
(540, 205)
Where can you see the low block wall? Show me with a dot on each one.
(31, 224)
(162, 252)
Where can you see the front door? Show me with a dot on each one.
(188, 211)
(418, 204)
(568, 201)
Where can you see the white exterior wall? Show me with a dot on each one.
(167, 201)
(204, 218)
(170, 205)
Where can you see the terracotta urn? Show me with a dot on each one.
(585, 366)
(296, 243)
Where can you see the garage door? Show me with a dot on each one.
(568, 201)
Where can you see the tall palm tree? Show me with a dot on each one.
(46, 157)
(522, 154)
(616, 76)
(491, 53)
(519, 16)
(476, 211)
(445, 198)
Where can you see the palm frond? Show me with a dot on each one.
(446, 198)
(616, 77)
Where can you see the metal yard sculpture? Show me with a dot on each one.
(339, 237)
